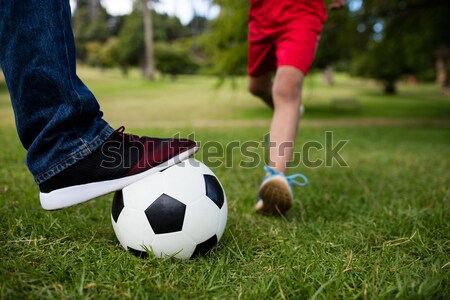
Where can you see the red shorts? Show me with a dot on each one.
(284, 33)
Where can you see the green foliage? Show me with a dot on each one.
(109, 53)
(340, 42)
(88, 28)
(129, 47)
(167, 28)
(130, 44)
(92, 53)
(226, 43)
(413, 33)
(385, 63)
(198, 25)
(174, 58)
(96, 47)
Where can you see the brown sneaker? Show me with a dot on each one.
(275, 194)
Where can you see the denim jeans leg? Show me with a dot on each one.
(58, 119)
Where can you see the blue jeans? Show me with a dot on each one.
(58, 119)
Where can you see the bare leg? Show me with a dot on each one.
(262, 87)
(286, 93)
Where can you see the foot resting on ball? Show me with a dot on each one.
(275, 193)
(121, 160)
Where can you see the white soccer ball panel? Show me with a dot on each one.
(118, 232)
(176, 244)
(142, 193)
(133, 229)
(202, 168)
(222, 219)
(183, 182)
(202, 219)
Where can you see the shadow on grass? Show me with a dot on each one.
(333, 111)
(421, 112)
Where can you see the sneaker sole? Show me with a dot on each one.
(275, 196)
(78, 194)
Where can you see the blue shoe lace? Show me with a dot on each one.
(291, 179)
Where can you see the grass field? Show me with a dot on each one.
(377, 229)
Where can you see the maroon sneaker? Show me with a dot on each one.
(120, 161)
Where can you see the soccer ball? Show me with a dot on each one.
(180, 212)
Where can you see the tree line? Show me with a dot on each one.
(382, 39)
(120, 41)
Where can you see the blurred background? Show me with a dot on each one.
(385, 61)
(386, 40)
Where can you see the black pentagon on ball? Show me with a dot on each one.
(166, 214)
(204, 247)
(214, 190)
(117, 205)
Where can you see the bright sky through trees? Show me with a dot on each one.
(183, 9)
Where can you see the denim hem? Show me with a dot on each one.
(84, 150)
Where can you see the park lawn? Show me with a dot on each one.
(377, 229)
(189, 99)
(193, 101)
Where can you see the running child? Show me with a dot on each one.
(283, 38)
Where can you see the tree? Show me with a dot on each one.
(386, 40)
(90, 24)
(174, 58)
(167, 30)
(339, 43)
(226, 42)
(130, 42)
(93, 8)
(414, 36)
(148, 41)
(108, 54)
(198, 25)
